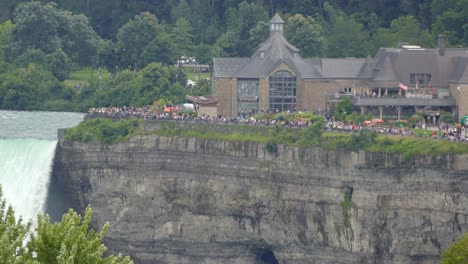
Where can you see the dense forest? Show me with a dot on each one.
(137, 42)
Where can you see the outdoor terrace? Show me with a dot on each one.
(402, 101)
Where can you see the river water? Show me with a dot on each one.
(27, 148)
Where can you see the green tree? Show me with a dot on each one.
(5, 29)
(119, 91)
(180, 11)
(59, 64)
(162, 49)
(240, 23)
(151, 83)
(135, 36)
(36, 27)
(457, 252)
(79, 40)
(306, 34)
(203, 53)
(453, 23)
(68, 241)
(181, 36)
(438, 7)
(34, 56)
(347, 39)
(12, 235)
(259, 33)
(225, 45)
(403, 29)
(44, 27)
(33, 88)
(343, 109)
(108, 57)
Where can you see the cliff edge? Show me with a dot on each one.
(186, 200)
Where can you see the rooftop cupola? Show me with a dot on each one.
(276, 24)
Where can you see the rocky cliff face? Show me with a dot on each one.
(186, 200)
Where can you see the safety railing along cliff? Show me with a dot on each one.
(403, 101)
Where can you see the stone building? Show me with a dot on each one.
(396, 81)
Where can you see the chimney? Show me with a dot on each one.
(441, 45)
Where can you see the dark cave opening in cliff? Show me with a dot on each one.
(266, 256)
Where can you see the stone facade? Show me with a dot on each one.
(226, 90)
(460, 92)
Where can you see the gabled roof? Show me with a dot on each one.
(345, 68)
(226, 67)
(274, 51)
(276, 19)
(367, 70)
(464, 77)
(399, 64)
(460, 71)
(386, 71)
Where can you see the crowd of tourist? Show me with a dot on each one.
(436, 131)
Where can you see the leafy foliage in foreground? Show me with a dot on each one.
(457, 252)
(12, 234)
(69, 241)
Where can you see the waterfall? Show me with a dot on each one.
(25, 167)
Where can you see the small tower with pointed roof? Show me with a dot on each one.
(276, 24)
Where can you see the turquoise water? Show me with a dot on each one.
(27, 148)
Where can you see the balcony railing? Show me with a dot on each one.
(402, 101)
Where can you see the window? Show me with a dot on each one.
(213, 87)
(282, 91)
(423, 78)
(247, 95)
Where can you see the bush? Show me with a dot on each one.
(457, 252)
(415, 119)
(103, 130)
(361, 140)
(271, 147)
(447, 118)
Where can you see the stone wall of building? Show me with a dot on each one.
(263, 94)
(315, 92)
(226, 94)
(461, 98)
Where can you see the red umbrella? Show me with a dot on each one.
(377, 121)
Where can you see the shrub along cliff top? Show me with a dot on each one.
(107, 131)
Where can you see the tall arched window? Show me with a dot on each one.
(282, 91)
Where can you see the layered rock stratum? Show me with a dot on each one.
(187, 200)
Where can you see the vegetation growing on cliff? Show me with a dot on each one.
(110, 132)
(457, 252)
(103, 130)
(346, 205)
(68, 241)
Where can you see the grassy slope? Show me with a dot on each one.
(194, 76)
(84, 76)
